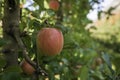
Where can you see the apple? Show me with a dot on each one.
(54, 5)
(50, 41)
(27, 68)
(99, 61)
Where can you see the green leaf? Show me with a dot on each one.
(106, 58)
(62, 28)
(84, 73)
(13, 69)
(2, 62)
(65, 61)
(2, 42)
(40, 3)
(11, 76)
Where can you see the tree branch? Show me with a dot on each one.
(25, 52)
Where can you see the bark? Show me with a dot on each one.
(10, 21)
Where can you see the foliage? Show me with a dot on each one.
(108, 34)
(78, 59)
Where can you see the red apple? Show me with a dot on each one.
(27, 68)
(50, 41)
(54, 5)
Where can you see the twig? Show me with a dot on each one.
(37, 64)
(21, 45)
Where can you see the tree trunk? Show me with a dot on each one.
(10, 22)
(11, 35)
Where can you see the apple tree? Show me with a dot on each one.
(47, 40)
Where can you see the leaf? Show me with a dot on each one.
(106, 58)
(84, 73)
(40, 3)
(2, 62)
(2, 42)
(13, 69)
(11, 76)
(36, 23)
(65, 61)
(62, 27)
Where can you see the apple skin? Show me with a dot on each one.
(54, 5)
(27, 68)
(50, 41)
(99, 61)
